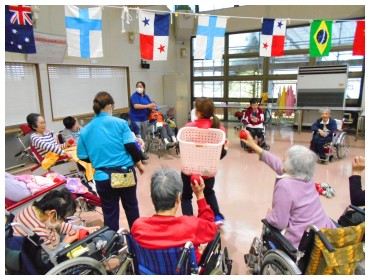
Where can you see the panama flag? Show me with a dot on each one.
(84, 31)
(210, 37)
(272, 37)
(154, 30)
(359, 41)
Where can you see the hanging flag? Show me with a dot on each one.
(18, 29)
(210, 37)
(272, 37)
(359, 41)
(84, 31)
(154, 31)
(320, 37)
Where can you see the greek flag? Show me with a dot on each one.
(210, 37)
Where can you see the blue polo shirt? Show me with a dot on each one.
(102, 141)
(139, 115)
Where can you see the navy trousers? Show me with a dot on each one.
(209, 195)
(110, 198)
(318, 142)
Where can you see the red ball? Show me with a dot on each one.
(195, 177)
(71, 141)
(82, 233)
(243, 134)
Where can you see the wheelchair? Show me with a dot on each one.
(261, 143)
(95, 255)
(338, 146)
(155, 142)
(325, 251)
(180, 260)
(28, 255)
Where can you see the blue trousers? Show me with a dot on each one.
(318, 142)
(110, 198)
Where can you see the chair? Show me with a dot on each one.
(62, 166)
(180, 260)
(321, 251)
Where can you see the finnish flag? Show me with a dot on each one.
(84, 31)
(210, 37)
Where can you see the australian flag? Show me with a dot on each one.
(19, 30)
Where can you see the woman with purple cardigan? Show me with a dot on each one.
(295, 202)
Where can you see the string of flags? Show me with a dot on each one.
(84, 33)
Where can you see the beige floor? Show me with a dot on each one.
(244, 186)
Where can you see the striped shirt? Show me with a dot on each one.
(28, 217)
(47, 143)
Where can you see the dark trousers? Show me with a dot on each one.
(318, 142)
(256, 132)
(166, 132)
(209, 195)
(110, 203)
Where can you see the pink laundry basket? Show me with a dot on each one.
(200, 150)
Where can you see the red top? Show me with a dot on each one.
(163, 232)
(203, 123)
(259, 117)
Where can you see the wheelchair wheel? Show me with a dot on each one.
(276, 262)
(126, 267)
(78, 266)
(147, 141)
(342, 145)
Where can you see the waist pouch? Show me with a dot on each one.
(120, 177)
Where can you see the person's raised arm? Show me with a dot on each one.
(357, 195)
(252, 144)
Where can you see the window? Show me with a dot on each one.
(209, 89)
(21, 92)
(80, 83)
(248, 74)
(277, 86)
(245, 66)
(208, 68)
(244, 43)
(287, 64)
(245, 89)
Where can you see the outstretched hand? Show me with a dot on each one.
(251, 143)
(358, 165)
(198, 188)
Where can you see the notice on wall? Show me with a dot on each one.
(49, 48)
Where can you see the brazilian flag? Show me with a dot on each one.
(320, 37)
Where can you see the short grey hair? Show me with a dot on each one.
(325, 110)
(165, 186)
(300, 163)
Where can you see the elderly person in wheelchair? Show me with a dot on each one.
(47, 217)
(297, 210)
(164, 230)
(164, 234)
(295, 203)
(323, 130)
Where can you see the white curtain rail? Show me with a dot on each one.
(236, 17)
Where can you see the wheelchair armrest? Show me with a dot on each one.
(208, 251)
(322, 237)
(283, 241)
(66, 250)
(357, 209)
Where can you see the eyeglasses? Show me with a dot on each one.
(112, 106)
